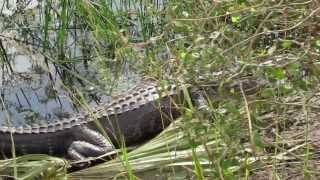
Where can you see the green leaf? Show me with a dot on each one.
(317, 43)
(235, 19)
(285, 88)
(178, 23)
(286, 44)
(279, 73)
(267, 93)
(183, 55)
(241, 1)
(257, 140)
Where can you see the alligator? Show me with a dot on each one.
(130, 118)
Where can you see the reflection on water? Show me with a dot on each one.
(33, 88)
(35, 92)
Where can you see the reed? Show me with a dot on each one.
(240, 136)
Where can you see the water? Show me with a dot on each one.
(33, 89)
(35, 92)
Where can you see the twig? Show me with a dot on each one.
(274, 31)
(5, 57)
(307, 131)
(249, 118)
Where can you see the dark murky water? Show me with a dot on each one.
(34, 90)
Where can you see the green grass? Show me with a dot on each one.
(266, 134)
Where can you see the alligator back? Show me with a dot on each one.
(134, 116)
(138, 114)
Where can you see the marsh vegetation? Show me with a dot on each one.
(67, 55)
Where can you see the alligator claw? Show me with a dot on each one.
(90, 144)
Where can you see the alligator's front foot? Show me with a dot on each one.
(92, 144)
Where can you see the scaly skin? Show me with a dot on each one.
(134, 116)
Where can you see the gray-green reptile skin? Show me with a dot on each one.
(134, 116)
